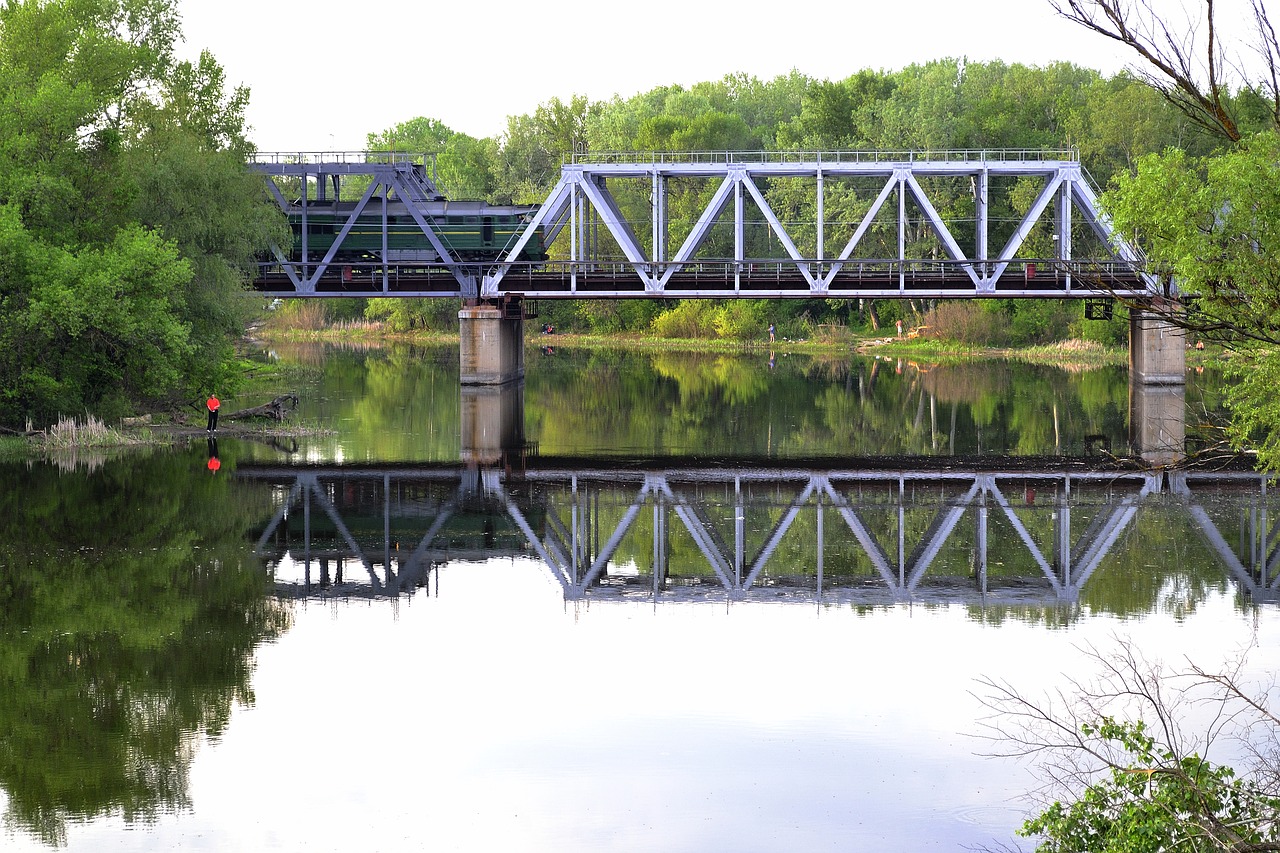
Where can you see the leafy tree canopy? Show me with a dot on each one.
(129, 219)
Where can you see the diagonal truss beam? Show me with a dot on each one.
(392, 178)
(654, 272)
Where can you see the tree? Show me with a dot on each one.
(1194, 75)
(129, 219)
(1207, 223)
(1124, 770)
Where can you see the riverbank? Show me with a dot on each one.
(1075, 354)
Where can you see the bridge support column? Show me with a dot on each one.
(491, 346)
(1157, 388)
(1157, 350)
(492, 422)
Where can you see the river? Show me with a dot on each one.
(644, 602)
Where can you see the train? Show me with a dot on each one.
(471, 231)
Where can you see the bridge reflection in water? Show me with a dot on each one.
(865, 537)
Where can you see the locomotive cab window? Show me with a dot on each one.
(486, 230)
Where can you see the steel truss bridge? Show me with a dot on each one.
(621, 226)
(696, 534)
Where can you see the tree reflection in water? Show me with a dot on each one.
(129, 612)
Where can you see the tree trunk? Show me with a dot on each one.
(275, 410)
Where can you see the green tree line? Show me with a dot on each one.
(128, 219)
(947, 104)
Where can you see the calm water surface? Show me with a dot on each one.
(685, 603)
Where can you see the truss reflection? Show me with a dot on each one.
(854, 536)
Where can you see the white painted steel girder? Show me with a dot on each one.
(583, 189)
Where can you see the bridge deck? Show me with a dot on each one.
(866, 280)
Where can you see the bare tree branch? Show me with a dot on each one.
(1169, 64)
(1269, 49)
(1124, 733)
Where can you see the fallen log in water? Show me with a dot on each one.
(275, 410)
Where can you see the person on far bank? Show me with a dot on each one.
(772, 332)
(212, 405)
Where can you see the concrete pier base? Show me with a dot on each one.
(1158, 422)
(491, 346)
(1157, 350)
(492, 422)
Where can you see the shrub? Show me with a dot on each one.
(741, 319)
(690, 318)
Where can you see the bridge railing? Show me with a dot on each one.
(720, 277)
(753, 157)
(349, 158)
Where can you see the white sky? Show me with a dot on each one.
(323, 74)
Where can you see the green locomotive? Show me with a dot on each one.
(472, 231)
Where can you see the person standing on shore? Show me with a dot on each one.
(212, 405)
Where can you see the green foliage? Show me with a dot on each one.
(1158, 802)
(128, 219)
(606, 316)
(732, 319)
(122, 634)
(403, 315)
(466, 167)
(690, 318)
(1210, 223)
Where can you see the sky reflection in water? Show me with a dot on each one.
(486, 711)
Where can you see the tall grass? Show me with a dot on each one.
(91, 432)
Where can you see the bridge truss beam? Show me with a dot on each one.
(931, 260)
(389, 175)
(878, 225)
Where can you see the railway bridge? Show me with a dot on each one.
(759, 225)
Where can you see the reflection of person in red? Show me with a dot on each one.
(214, 462)
(213, 405)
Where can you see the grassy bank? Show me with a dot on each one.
(838, 341)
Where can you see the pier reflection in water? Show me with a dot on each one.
(862, 537)
(770, 651)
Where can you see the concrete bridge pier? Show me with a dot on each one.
(1157, 350)
(491, 344)
(1157, 388)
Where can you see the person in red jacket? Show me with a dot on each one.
(213, 405)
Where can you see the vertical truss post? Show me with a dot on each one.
(658, 202)
(386, 191)
(1064, 230)
(659, 540)
(902, 231)
(739, 529)
(821, 545)
(575, 527)
(821, 223)
(1062, 529)
(575, 213)
(305, 229)
(739, 235)
(980, 203)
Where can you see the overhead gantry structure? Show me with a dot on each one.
(743, 224)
